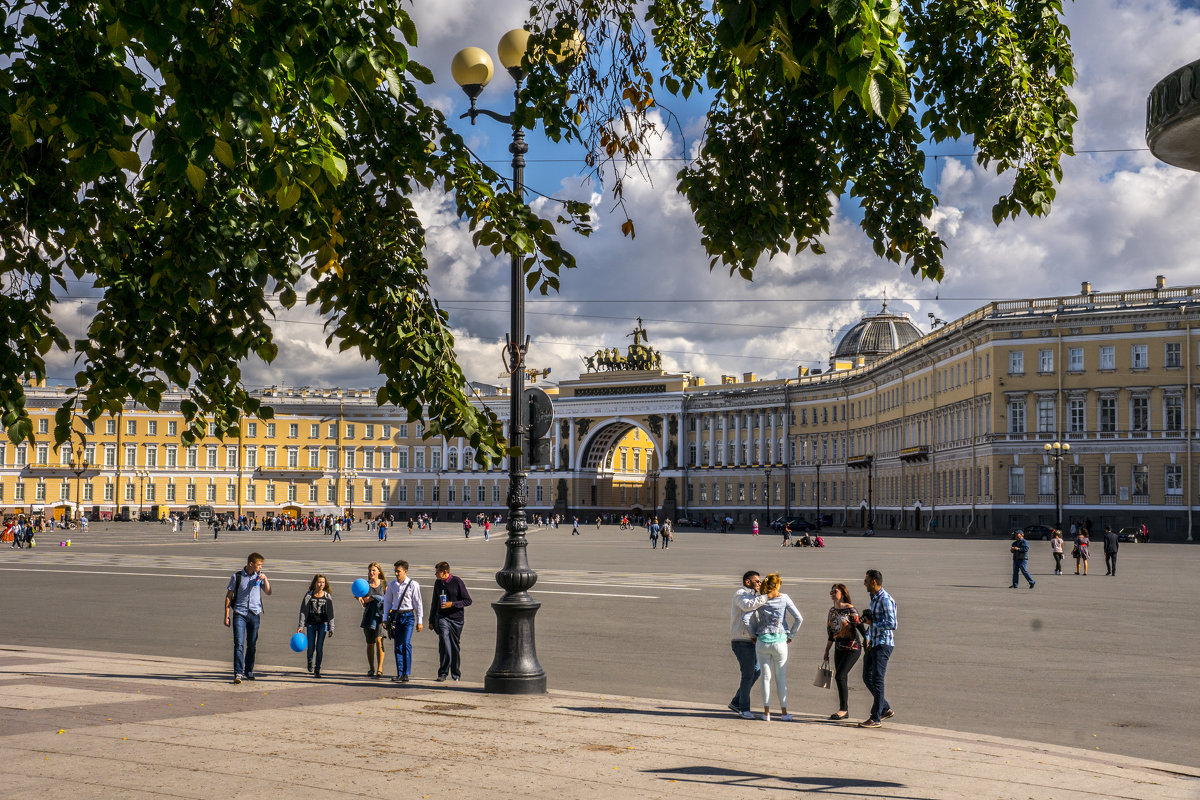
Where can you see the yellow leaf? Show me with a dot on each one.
(223, 153)
(196, 176)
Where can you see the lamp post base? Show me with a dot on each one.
(515, 669)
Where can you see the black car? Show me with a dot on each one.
(1131, 535)
(684, 522)
(1036, 531)
(797, 524)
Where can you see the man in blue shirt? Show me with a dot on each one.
(243, 609)
(1020, 554)
(881, 640)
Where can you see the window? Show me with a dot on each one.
(1016, 362)
(314, 458)
(1139, 413)
(1075, 479)
(1108, 414)
(495, 493)
(1076, 415)
(151, 456)
(349, 431)
(1139, 356)
(152, 427)
(230, 458)
(331, 459)
(1016, 481)
(192, 454)
(270, 435)
(450, 493)
(131, 427)
(131, 456)
(293, 431)
(1045, 415)
(481, 494)
(210, 493)
(43, 426)
(252, 430)
(172, 430)
(251, 493)
(291, 493)
(435, 459)
(89, 491)
(368, 493)
(1016, 416)
(401, 459)
(1108, 480)
(1046, 479)
(387, 432)
(1174, 480)
(402, 430)
(269, 457)
(332, 431)
(1173, 413)
(110, 428)
(172, 457)
(419, 460)
(1046, 360)
(230, 493)
(170, 492)
(293, 458)
(191, 493)
(1141, 480)
(312, 493)
(43, 454)
(1108, 357)
(369, 433)
(212, 429)
(1173, 355)
(1075, 359)
(368, 459)
(19, 491)
(211, 456)
(314, 431)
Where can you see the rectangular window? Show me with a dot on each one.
(131, 456)
(1045, 360)
(230, 493)
(1173, 413)
(349, 431)
(1141, 480)
(1108, 414)
(369, 431)
(450, 493)
(110, 428)
(1075, 359)
(1108, 480)
(314, 458)
(170, 492)
(231, 458)
(368, 459)
(172, 429)
(152, 428)
(131, 427)
(270, 435)
(269, 457)
(1046, 479)
(1016, 416)
(1139, 410)
(481, 494)
(251, 458)
(401, 459)
(1174, 480)
(192, 454)
(152, 456)
(312, 493)
(1173, 354)
(211, 456)
(332, 431)
(293, 458)
(212, 429)
(1075, 477)
(314, 431)
(251, 493)
(291, 493)
(191, 493)
(252, 430)
(210, 493)
(402, 430)
(1016, 362)
(435, 459)
(293, 431)
(1045, 412)
(1076, 415)
(1139, 356)
(495, 493)
(419, 460)
(43, 454)
(43, 426)
(387, 432)
(1016, 481)
(1108, 357)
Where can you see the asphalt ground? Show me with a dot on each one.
(1106, 664)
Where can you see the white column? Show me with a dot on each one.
(680, 441)
(762, 437)
(712, 439)
(571, 445)
(737, 439)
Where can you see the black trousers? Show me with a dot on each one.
(449, 633)
(843, 662)
(1110, 563)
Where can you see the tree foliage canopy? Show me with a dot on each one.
(207, 165)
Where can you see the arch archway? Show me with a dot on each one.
(597, 447)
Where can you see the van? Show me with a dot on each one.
(203, 513)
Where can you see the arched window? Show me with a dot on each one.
(468, 457)
(451, 459)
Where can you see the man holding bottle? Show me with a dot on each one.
(446, 615)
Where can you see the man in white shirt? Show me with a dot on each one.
(403, 610)
(745, 601)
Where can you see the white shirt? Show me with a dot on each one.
(745, 601)
(395, 598)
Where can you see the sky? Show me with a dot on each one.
(1120, 218)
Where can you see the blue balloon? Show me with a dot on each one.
(360, 588)
(299, 642)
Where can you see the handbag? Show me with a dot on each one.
(1075, 552)
(824, 676)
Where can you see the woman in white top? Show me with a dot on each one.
(1056, 545)
(772, 634)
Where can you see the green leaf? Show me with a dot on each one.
(196, 176)
(843, 12)
(126, 160)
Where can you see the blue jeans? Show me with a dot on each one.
(1019, 569)
(449, 633)
(245, 642)
(402, 642)
(316, 644)
(748, 664)
(874, 668)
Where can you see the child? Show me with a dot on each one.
(316, 619)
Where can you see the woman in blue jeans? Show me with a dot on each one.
(772, 634)
(316, 619)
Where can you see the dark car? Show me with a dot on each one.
(797, 524)
(1036, 531)
(684, 522)
(1131, 535)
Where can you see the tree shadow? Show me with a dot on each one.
(698, 713)
(723, 776)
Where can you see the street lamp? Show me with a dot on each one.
(515, 669)
(141, 475)
(1056, 451)
(767, 493)
(78, 465)
(350, 475)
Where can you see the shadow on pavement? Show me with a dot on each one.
(724, 776)
(699, 713)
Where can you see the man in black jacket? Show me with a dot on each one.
(450, 597)
(1111, 543)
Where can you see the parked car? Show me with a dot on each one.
(1035, 531)
(1132, 535)
(797, 524)
(684, 522)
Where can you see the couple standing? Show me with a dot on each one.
(759, 612)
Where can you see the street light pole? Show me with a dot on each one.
(78, 465)
(141, 476)
(1056, 451)
(515, 668)
(767, 493)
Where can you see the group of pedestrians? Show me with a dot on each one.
(1081, 551)
(392, 610)
(763, 621)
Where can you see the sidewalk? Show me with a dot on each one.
(76, 724)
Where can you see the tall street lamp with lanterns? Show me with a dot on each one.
(350, 474)
(515, 668)
(141, 475)
(79, 465)
(1056, 451)
(767, 493)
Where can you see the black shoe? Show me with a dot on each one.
(316, 674)
(396, 679)
(1032, 584)
(404, 679)
(441, 678)
(310, 667)
(249, 677)
(887, 714)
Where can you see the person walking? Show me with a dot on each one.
(654, 535)
(487, 529)
(575, 527)
(382, 530)
(1081, 550)
(372, 619)
(446, 616)
(667, 535)
(410, 526)
(787, 535)
(1111, 544)
(1020, 559)
(754, 528)
(337, 530)
(316, 621)
(466, 528)
(746, 600)
(195, 530)
(1056, 549)
(843, 628)
(403, 609)
(243, 610)
(772, 634)
(881, 640)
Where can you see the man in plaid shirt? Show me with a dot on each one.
(881, 639)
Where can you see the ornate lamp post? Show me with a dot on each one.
(78, 465)
(515, 669)
(350, 474)
(1056, 451)
(141, 475)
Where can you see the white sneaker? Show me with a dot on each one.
(766, 717)
(786, 718)
(747, 714)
